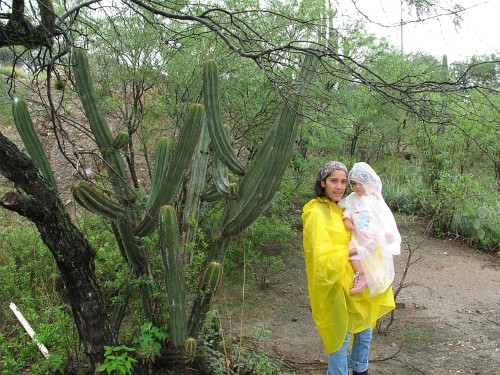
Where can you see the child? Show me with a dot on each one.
(375, 236)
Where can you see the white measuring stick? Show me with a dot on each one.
(28, 329)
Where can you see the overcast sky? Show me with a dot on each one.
(479, 32)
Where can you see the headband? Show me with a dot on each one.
(330, 167)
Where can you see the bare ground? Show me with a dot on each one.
(447, 320)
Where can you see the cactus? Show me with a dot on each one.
(131, 221)
(30, 139)
(218, 135)
(120, 140)
(96, 201)
(207, 288)
(174, 272)
(169, 185)
(259, 185)
(190, 346)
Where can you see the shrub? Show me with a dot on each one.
(25, 259)
(263, 247)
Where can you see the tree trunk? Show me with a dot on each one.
(35, 200)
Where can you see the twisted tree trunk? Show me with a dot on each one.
(35, 200)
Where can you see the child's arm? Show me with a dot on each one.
(352, 250)
(348, 222)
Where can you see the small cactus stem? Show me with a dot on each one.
(160, 168)
(208, 286)
(233, 190)
(181, 159)
(210, 194)
(190, 345)
(218, 135)
(194, 192)
(97, 202)
(131, 247)
(221, 177)
(121, 140)
(30, 139)
(174, 274)
(114, 163)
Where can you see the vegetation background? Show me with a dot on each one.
(429, 128)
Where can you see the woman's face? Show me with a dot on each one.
(335, 185)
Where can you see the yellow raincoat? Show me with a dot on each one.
(330, 276)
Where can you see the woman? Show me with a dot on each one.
(336, 312)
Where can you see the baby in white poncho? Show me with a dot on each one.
(375, 236)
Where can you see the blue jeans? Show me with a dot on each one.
(358, 359)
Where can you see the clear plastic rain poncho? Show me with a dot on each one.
(375, 235)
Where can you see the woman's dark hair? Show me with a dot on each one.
(318, 189)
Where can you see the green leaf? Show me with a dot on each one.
(477, 223)
(481, 234)
(482, 212)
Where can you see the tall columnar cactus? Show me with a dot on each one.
(219, 137)
(168, 186)
(194, 191)
(246, 200)
(117, 173)
(174, 272)
(259, 185)
(30, 139)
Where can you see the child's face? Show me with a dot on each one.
(358, 188)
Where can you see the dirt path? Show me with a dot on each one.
(448, 322)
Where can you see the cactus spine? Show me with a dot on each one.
(30, 139)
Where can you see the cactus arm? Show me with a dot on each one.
(210, 194)
(120, 140)
(221, 177)
(208, 286)
(259, 185)
(174, 274)
(89, 100)
(181, 159)
(218, 136)
(160, 168)
(30, 139)
(95, 201)
(194, 190)
(114, 163)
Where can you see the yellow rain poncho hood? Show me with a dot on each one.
(330, 276)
